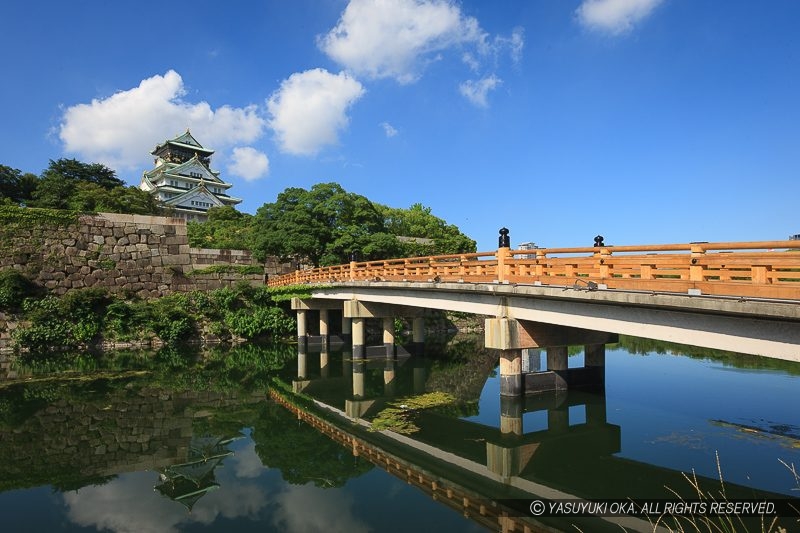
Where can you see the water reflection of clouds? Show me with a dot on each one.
(246, 463)
(129, 504)
(308, 509)
(125, 504)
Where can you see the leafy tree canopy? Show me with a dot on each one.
(16, 186)
(225, 228)
(326, 225)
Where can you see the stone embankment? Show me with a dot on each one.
(143, 255)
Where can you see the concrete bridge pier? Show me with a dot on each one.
(359, 374)
(359, 338)
(418, 339)
(389, 383)
(388, 336)
(302, 331)
(511, 336)
(358, 312)
(511, 409)
(324, 367)
(302, 360)
(347, 330)
(420, 375)
(323, 327)
(511, 373)
(323, 307)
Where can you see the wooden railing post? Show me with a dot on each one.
(541, 255)
(604, 269)
(759, 274)
(503, 254)
(695, 270)
(352, 270)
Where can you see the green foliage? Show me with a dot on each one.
(14, 288)
(91, 197)
(326, 225)
(170, 319)
(68, 184)
(419, 222)
(242, 270)
(287, 292)
(302, 453)
(226, 228)
(12, 217)
(68, 322)
(251, 323)
(15, 186)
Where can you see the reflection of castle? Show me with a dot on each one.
(187, 482)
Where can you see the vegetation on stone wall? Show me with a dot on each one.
(92, 316)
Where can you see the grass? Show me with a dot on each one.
(684, 523)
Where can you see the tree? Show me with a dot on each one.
(16, 186)
(59, 181)
(418, 221)
(225, 228)
(323, 225)
(326, 225)
(87, 196)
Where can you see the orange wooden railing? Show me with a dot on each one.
(765, 269)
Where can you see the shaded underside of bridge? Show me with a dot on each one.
(769, 328)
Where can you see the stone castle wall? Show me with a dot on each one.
(144, 255)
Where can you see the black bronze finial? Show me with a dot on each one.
(504, 241)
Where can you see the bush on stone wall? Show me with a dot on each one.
(14, 288)
(85, 317)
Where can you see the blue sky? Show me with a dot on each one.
(647, 121)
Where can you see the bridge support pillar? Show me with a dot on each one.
(323, 327)
(324, 356)
(347, 330)
(419, 379)
(558, 364)
(510, 336)
(359, 372)
(419, 335)
(511, 415)
(594, 360)
(388, 336)
(389, 378)
(511, 373)
(302, 363)
(359, 334)
(302, 330)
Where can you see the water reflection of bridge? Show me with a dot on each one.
(571, 453)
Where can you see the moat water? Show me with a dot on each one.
(251, 439)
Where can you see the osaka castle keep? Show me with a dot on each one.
(183, 180)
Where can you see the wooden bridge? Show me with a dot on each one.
(740, 297)
(764, 269)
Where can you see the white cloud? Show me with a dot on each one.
(310, 108)
(308, 508)
(393, 38)
(122, 129)
(389, 129)
(477, 91)
(248, 163)
(614, 16)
